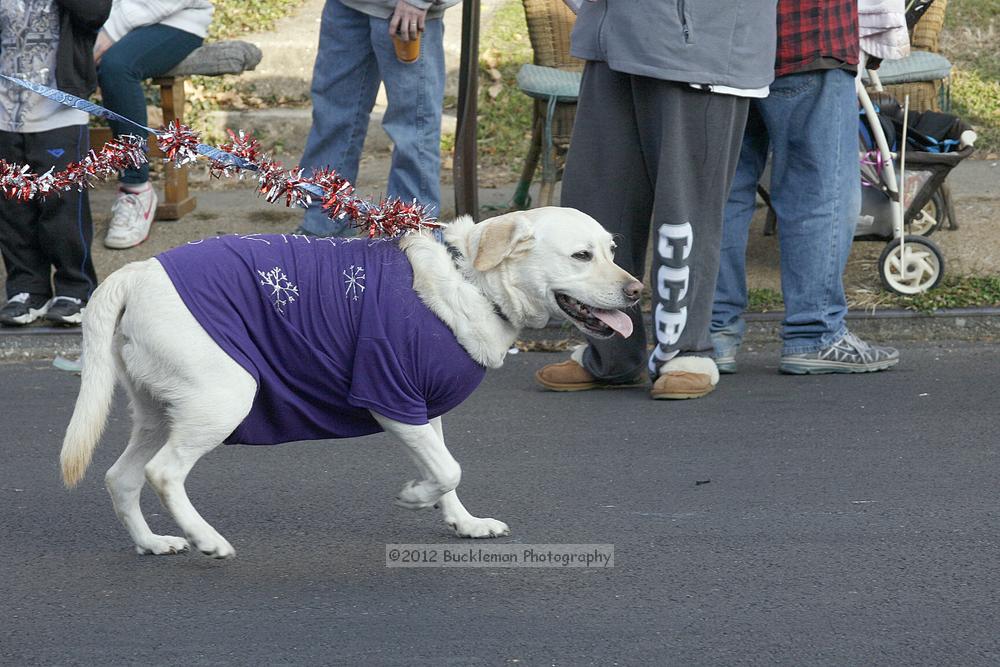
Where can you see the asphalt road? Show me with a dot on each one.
(783, 520)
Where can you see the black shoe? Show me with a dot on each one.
(23, 309)
(65, 311)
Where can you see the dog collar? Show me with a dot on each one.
(457, 259)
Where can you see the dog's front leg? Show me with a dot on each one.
(457, 517)
(466, 525)
(426, 447)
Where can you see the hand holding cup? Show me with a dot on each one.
(405, 26)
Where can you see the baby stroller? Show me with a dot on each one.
(904, 160)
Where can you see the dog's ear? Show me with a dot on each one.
(503, 237)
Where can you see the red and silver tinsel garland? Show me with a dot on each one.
(19, 183)
(179, 144)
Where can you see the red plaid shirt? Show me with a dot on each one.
(813, 29)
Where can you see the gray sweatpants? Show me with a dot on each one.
(646, 151)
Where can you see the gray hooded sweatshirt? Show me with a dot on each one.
(715, 42)
(383, 8)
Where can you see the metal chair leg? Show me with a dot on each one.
(548, 157)
(522, 196)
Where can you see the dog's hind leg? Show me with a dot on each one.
(199, 424)
(124, 480)
(457, 517)
(426, 447)
(204, 393)
(166, 473)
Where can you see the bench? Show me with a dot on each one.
(212, 59)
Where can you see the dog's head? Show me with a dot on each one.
(556, 262)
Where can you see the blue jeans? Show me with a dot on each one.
(145, 52)
(810, 123)
(355, 54)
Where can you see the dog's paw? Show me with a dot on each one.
(476, 528)
(418, 495)
(161, 545)
(217, 547)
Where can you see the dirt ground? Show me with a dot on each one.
(972, 249)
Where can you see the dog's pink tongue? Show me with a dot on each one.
(615, 319)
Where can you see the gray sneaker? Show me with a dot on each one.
(849, 354)
(726, 346)
(726, 364)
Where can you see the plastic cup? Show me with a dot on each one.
(407, 51)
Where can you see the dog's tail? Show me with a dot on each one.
(97, 385)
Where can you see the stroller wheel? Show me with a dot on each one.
(930, 217)
(912, 267)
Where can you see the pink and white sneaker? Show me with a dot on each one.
(131, 217)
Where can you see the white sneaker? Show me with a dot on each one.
(131, 216)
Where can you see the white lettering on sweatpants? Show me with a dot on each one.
(672, 280)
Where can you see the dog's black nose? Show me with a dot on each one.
(632, 290)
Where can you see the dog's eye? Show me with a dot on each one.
(583, 255)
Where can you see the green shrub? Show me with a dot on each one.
(969, 41)
(504, 122)
(233, 18)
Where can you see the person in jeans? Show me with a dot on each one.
(141, 39)
(661, 112)
(45, 243)
(809, 123)
(355, 54)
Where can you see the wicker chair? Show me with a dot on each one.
(553, 81)
(924, 74)
(927, 32)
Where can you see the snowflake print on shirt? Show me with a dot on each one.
(354, 281)
(283, 292)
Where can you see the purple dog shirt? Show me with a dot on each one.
(329, 328)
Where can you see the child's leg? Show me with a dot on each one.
(143, 53)
(64, 227)
(26, 263)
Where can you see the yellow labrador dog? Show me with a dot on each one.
(264, 339)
